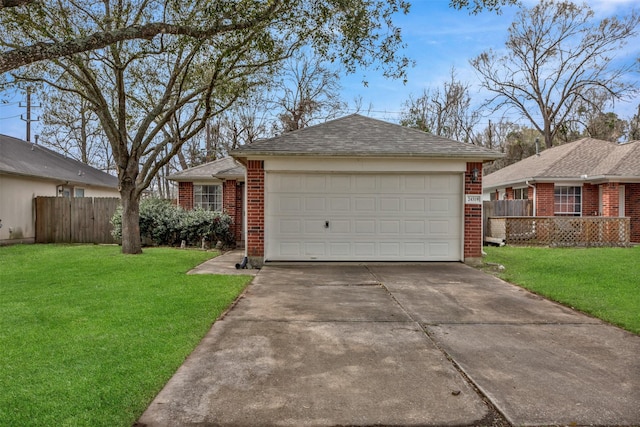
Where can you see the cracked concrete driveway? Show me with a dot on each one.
(390, 344)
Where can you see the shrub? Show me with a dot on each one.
(165, 224)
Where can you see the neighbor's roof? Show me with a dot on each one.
(18, 157)
(356, 135)
(588, 159)
(221, 168)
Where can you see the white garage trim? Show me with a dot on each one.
(341, 216)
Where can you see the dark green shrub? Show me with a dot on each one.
(162, 223)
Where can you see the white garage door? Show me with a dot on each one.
(363, 217)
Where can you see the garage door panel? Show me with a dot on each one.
(389, 227)
(441, 227)
(314, 204)
(364, 249)
(414, 204)
(314, 249)
(340, 227)
(365, 204)
(289, 226)
(392, 217)
(365, 227)
(390, 204)
(339, 184)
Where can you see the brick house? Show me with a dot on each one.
(217, 186)
(588, 177)
(360, 189)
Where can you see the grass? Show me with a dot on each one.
(89, 336)
(603, 282)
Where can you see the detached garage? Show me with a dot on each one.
(360, 189)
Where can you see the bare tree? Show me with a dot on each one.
(308, 92)
(443, 111)
(556, 55)
(71, 127)
(634, 126)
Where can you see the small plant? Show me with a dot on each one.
(162, 223)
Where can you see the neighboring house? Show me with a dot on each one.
(27, 171)
(588, 177)
(216, 186)
(360, 189)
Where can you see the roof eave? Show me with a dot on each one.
(244, 154)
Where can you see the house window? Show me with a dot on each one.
(78, 192)
(208, 197)
(521, 193)
(568, 201)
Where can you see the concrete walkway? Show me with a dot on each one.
(388, 344)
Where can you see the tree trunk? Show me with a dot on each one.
(131, 242)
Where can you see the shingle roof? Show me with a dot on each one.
(19, 157)
(356, 135)
(222, 168)
(586, 159)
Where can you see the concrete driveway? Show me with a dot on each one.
(389, 344)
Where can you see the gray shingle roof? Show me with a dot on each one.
(586, 159)
(221, 168)
(19, 157)
(356, 135)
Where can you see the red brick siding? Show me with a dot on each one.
(508, 192)
(545, 199)
(185, 195)
(473, 215)
(632, 209)
(255, 208)
(530, 193)
(610, 199)
(590, 202)
(229, 205)
(239, 190)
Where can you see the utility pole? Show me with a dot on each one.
(28, 119)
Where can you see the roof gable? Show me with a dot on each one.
(586, 158)
(356, 135)
(19, 157)
(223, 168)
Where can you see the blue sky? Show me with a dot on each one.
(437, 39)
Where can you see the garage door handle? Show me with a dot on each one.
(326, 224)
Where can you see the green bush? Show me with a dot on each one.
(165, 224)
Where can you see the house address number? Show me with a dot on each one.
(473, 199)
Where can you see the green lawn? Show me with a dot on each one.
(604, 282)
(89, 336)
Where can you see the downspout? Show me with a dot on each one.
(534, 196)
(245, 260)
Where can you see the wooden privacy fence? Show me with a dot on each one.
(74, 220)
(561, 231)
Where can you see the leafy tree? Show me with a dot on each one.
(151, 96)
(155, 72)
(556, 56)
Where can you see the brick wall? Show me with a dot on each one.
(610, 199)
(508, 192)
(473, 215)
(239, 207)
(632, 209)
(545, 199)
(255, 208)
(590, 200)
(229, 205)
(185, 195)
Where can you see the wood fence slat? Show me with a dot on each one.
(74, 220)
